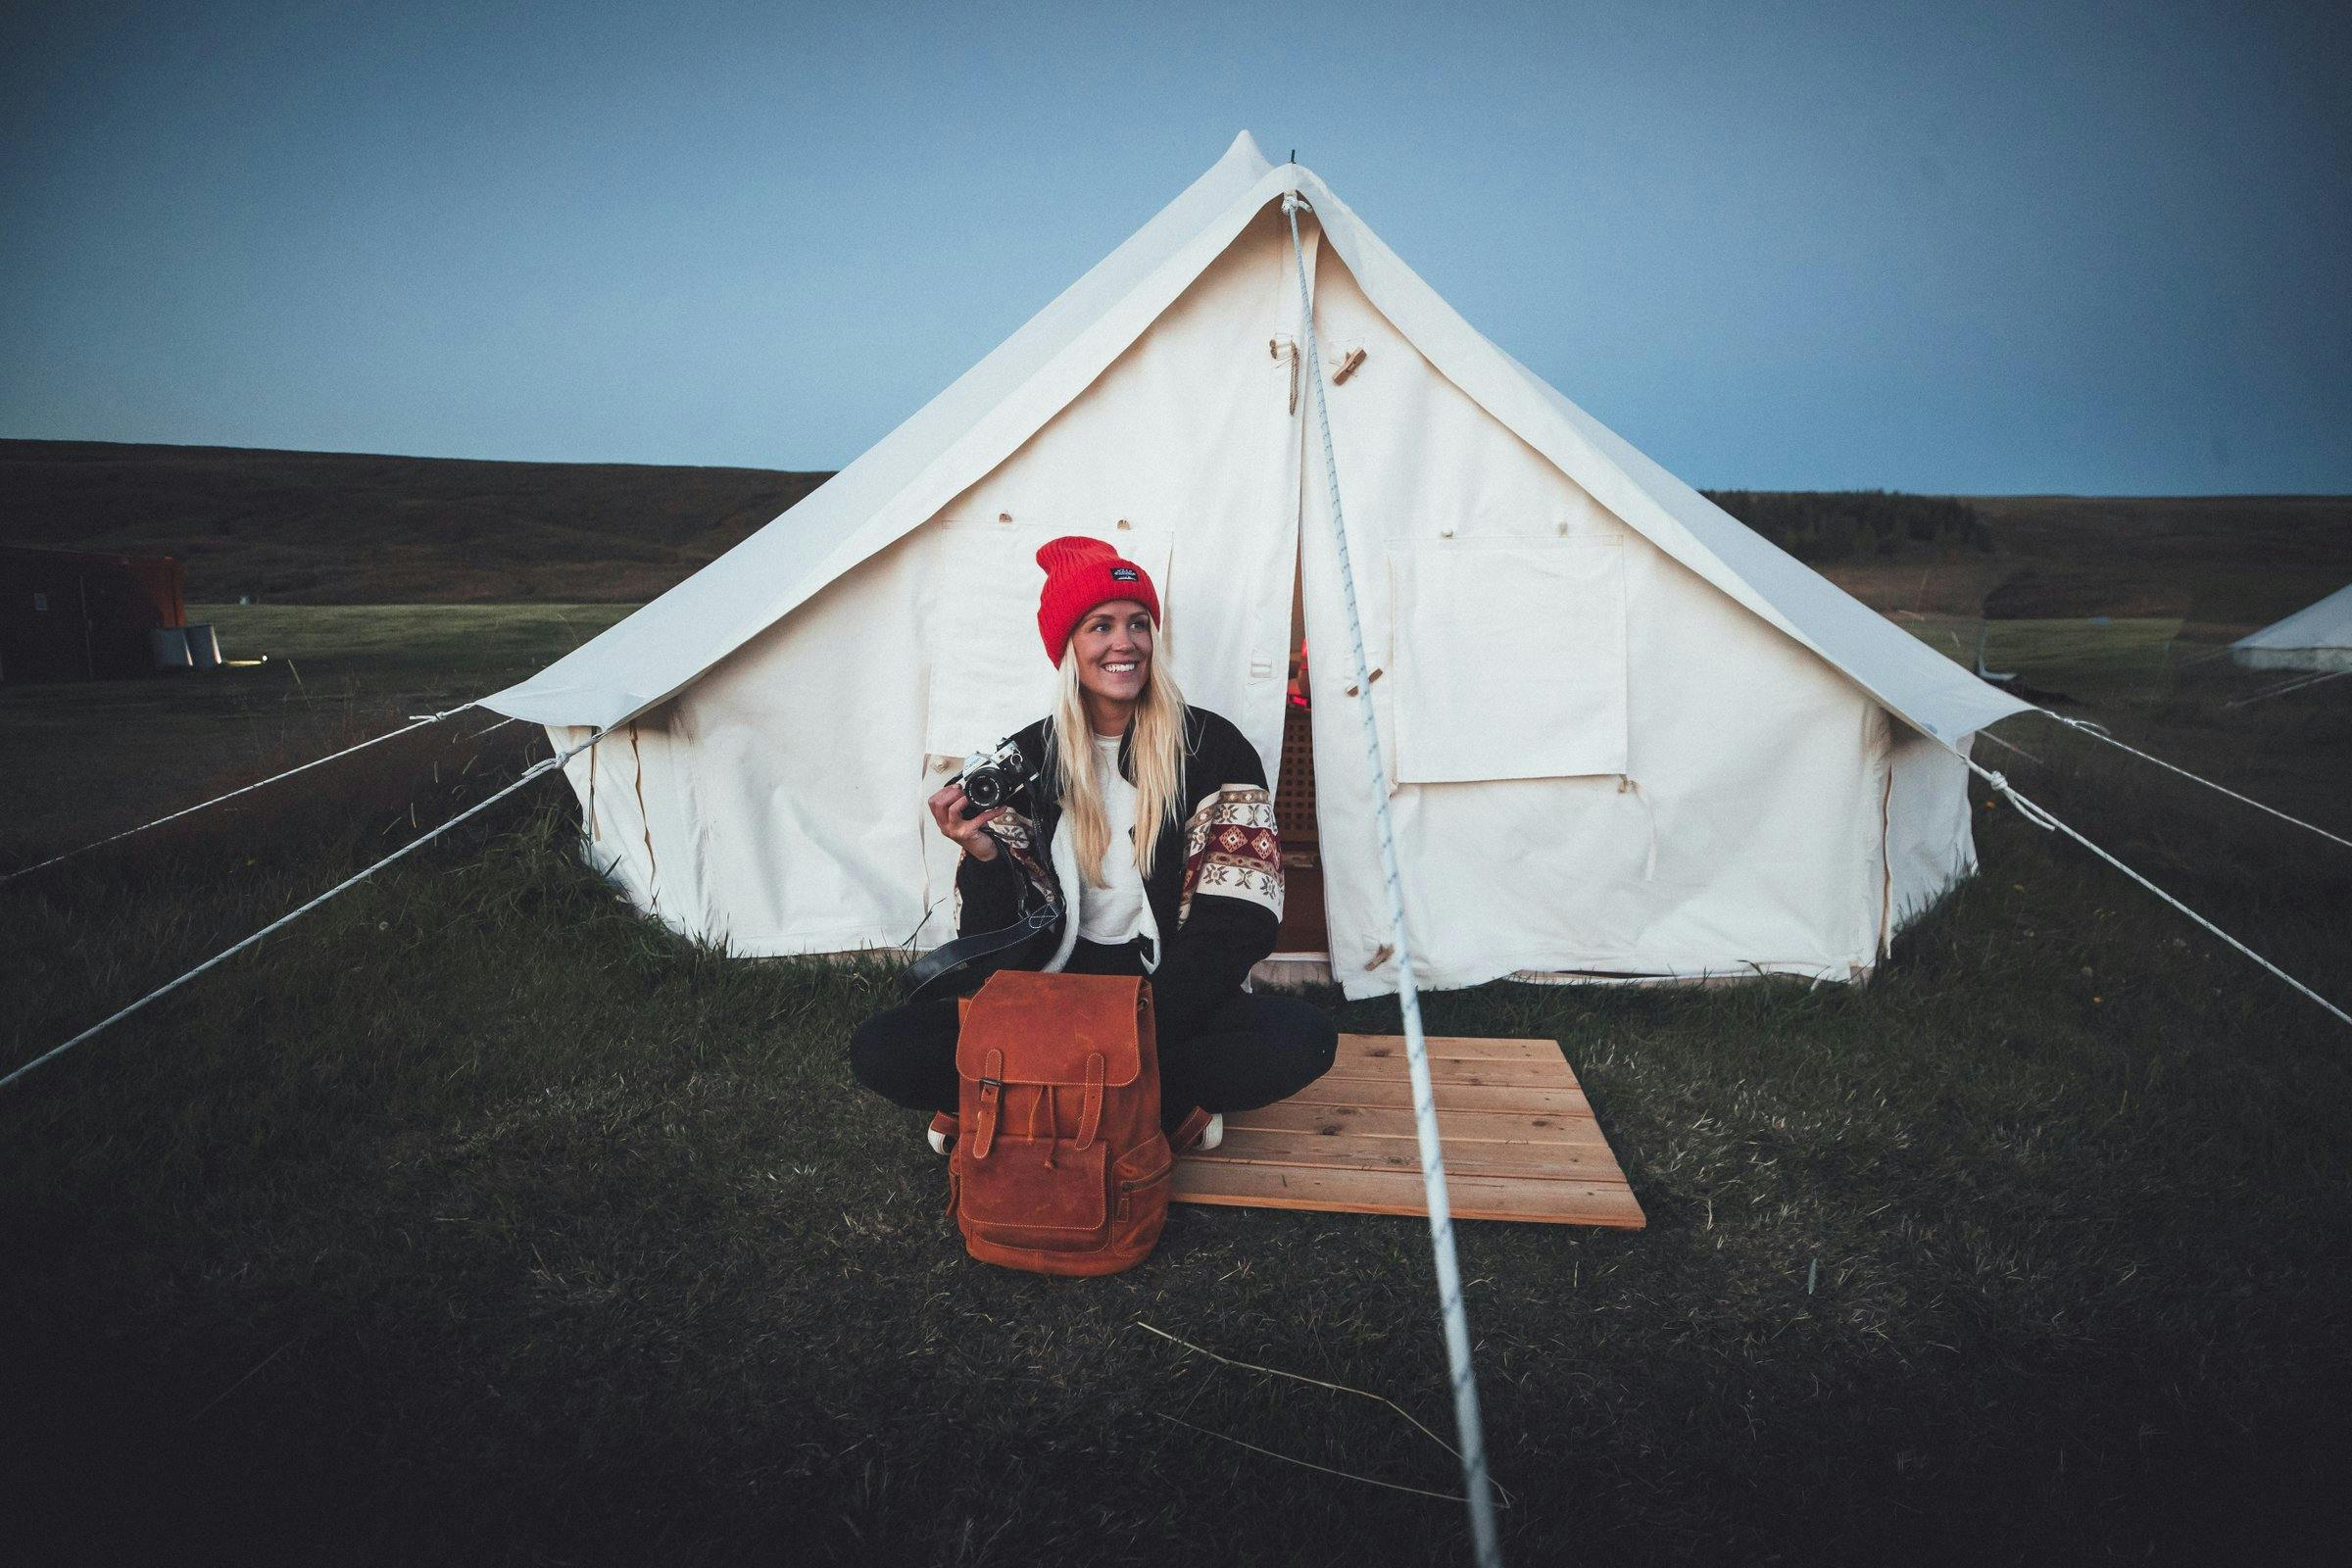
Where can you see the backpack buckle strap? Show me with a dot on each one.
(992, 1102)
(1090, 1118)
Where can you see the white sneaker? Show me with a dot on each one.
(942, 1133)
(1201, 1130)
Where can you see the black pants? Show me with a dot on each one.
(1251, 1051)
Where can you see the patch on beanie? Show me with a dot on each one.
(1124, 574)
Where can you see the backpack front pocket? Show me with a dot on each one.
(1039, 1192)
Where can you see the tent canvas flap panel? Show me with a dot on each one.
(649, 831)
(1698, 860)
(613, 832)
(1931, 828)
(1507, 657)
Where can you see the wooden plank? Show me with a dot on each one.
(1251, 1145)
(1367, 1192)
(1453, 1126)
(1450, 1097)
(1521, 1142)
(1533, 1074)
(1451, 1047)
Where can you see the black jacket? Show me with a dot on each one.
(1215, 888)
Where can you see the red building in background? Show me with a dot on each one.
(72, 614)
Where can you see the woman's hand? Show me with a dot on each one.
(947, 809)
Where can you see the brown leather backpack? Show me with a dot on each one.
(1060, 1164)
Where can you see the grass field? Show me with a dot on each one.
(475, 1219)
(88, 759)
(2108, 660)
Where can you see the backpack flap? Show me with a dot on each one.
(1047, 1028)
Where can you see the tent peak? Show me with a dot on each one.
(1244, 149)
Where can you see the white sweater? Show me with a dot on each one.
(1114, 913)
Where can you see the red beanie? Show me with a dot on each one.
(1081, 574)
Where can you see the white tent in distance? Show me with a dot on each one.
(2316, 637)
(1627, 737)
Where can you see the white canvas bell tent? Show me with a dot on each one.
(2316, 637)
(1627, 736)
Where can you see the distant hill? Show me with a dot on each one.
(2223, 562)
(334, 527)
(325, 527)
(1824, 527)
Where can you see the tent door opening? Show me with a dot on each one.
(1303, 934)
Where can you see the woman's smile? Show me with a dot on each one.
(1113, 647)
(1122, 676)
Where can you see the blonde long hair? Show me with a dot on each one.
(1155, 751)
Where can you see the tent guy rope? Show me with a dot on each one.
(2302, 685)
(535, 770)
(1467, 1424)
(2042, 819)
(421, 720)
(2099, 732)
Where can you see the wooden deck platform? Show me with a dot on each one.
(1521, 1143)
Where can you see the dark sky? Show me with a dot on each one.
(2089, 248)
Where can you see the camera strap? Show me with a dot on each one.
(1015, 839)
(951, 956)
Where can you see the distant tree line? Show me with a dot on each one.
(1828, 525)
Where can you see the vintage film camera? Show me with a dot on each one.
(994, 777)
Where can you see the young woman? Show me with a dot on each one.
(1161, 837)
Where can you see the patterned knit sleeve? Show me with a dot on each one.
(1231, 904)
(1231, 849)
